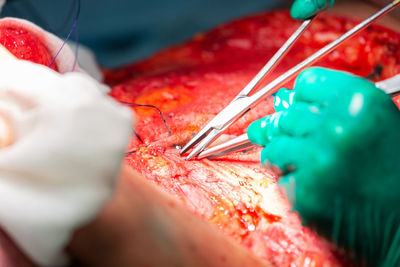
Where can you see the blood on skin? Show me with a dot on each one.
(172, 97)
(234, 193)
(25, 45)
(223, 258)
(201, 77)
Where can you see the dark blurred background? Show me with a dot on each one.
(121, 31)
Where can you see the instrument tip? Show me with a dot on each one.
(194, 153)
(185, 149)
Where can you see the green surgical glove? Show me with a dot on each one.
(335, 141)
(304, 9)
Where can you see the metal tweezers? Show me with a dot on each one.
(243, 102)
(390, 86)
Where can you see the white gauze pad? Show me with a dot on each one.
(68, 145)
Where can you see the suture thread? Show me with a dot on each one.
(149, 106)
(74, 25)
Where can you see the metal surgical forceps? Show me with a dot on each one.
(243, 102)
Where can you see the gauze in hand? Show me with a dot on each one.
(59, 169)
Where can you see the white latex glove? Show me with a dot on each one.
(87, 60)
(64, 153)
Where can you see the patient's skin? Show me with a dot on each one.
(142, 226)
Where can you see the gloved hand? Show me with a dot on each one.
(335, 141)
(62, 144)
(304, 9)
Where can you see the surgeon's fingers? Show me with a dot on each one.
(300, 120)
(283, 99)
(304, 9)
(263, 130)
(285, 153)
(319, 85)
